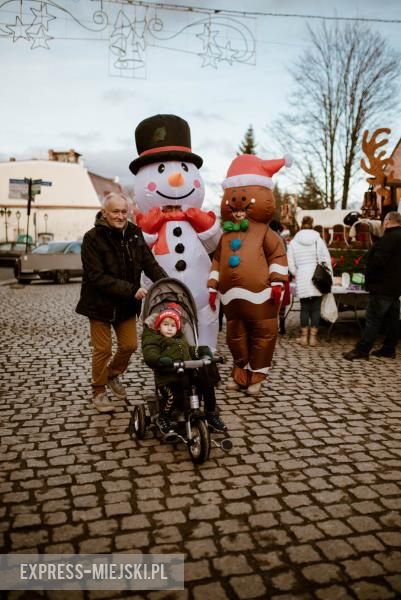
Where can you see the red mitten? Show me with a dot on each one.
(151, 221)
(212, 300)
(276, 293)
(200, 220)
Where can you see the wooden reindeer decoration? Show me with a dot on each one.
(379, 177)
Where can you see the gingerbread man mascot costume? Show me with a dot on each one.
(249, 269)
(169, 192)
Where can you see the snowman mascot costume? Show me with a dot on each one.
(169, 192)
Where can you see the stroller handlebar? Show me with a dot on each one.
(197, 364)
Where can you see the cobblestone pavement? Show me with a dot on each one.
(306, 505)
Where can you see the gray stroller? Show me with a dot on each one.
(190, 425)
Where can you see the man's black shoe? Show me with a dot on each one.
(355, 354)
(383, 353)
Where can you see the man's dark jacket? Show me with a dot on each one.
(383, 264)
(112, 263)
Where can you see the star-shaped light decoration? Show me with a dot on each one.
(229, 54)
(209, 59)
(42, 17)
(18, 30)
(208, 36)
(40, 40)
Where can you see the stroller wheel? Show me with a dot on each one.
(199, 449)
(137, 425)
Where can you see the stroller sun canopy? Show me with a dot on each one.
(167, 290)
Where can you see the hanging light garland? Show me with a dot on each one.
(131, 28)
(217, 37)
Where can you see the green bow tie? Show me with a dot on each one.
(231, 226)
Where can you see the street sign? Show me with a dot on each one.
(41, 182)
(18, 189)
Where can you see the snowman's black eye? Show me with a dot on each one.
(185, 167)
(161, 168)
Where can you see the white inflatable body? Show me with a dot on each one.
(178, 248)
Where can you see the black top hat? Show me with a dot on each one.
(163, 137)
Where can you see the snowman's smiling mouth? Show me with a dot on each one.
(175, 197)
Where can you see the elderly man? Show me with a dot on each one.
(114, 254)
(383, 282)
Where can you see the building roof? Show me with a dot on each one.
(72, 185)
(103, 185)
(396, 157)
(327, 217)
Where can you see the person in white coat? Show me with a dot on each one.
(304, 252)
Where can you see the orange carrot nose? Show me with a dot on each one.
(175, 179)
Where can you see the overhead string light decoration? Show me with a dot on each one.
(31, 21)
(215, 39)
(131, 28)
(222, 37)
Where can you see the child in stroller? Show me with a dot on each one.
(163, 343)
(185, 374)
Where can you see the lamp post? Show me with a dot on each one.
(6, 213)
(45, 216)
(18, 215)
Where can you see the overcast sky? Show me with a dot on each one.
(70, 95)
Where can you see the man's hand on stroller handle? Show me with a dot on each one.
(140, 294)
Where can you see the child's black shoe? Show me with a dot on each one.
(164, 424)
(215, 423)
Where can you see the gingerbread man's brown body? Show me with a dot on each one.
(248, 263)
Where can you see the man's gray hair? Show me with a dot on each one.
(393, 216)
(111, 195)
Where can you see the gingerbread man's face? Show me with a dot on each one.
(253, 202)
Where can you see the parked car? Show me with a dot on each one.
(55, 261)
(10, 251)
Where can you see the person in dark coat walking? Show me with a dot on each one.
(114, 254)
(383, 282)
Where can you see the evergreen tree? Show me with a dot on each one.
(312, 196)
(248, 144)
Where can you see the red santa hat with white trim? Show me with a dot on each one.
(248, 169)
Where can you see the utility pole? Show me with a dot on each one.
(26, 188)
(28, 211)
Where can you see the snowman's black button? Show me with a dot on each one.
(179, 248)
(181, 265)
(177, 231)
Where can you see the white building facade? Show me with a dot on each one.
(65, 210)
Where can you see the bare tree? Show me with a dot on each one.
(345, 82)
